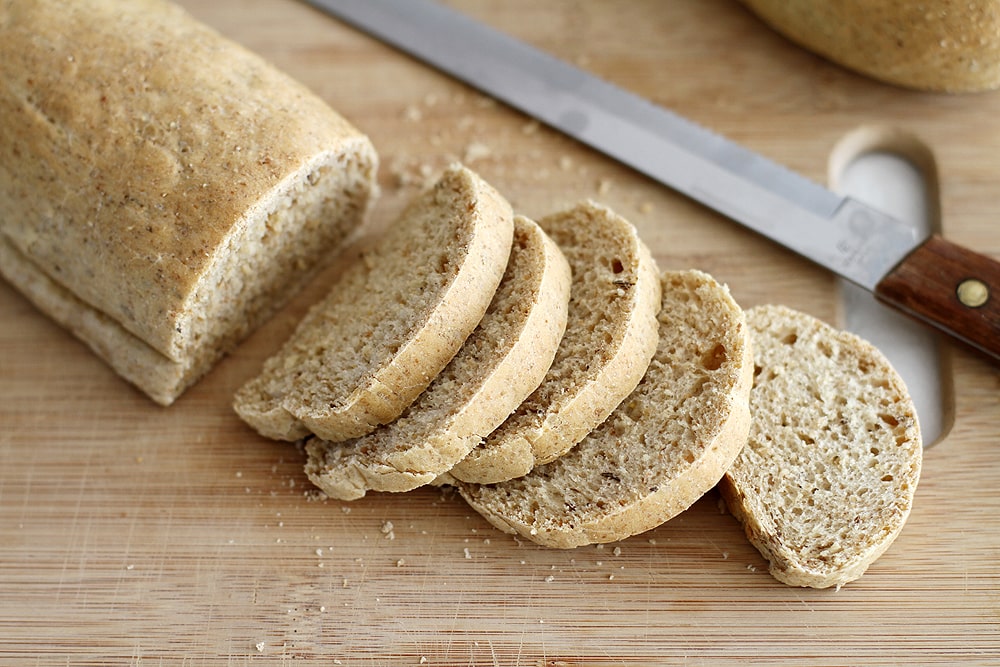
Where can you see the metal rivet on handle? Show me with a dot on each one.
(973, 293)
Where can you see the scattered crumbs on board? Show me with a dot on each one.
(459, 136)
(315, 496)
(476, 151)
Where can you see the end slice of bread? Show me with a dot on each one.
(502, 362)
(392, 322)
(610, 337)
(828, 476)
(665, 446)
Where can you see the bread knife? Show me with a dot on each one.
(934, 280)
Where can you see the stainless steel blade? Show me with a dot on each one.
(840, 233)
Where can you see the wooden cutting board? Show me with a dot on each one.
(131, 534)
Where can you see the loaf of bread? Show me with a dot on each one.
(610, 337)
(828, 476)
(392, 321)
(502, 362)
(937, 45)
(163, 190)
(667, 444)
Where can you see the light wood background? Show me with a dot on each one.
(130, 534)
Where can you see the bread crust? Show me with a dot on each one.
(160, 378)
(392, 321)
(503, 360)
(664, 447)
(150, 169)
(611, 336)
(829, 473)
(938, 45)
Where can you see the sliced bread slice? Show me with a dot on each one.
(502, 362)
(392, 322)
(610, 337)
(666, 445)
(827, 478)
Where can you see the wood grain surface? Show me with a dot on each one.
(132, 534)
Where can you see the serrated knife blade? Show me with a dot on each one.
(932, 279)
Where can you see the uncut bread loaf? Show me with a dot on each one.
(611, 335)
(668, 443)
(938, 45)
(391, 322)
(503, 360)
(828, 476)
(162, 190)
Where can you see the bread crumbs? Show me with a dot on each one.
(412, 113)
(476, 151)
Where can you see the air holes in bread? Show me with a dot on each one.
(714, 359)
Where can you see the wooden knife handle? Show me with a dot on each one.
(951, 288)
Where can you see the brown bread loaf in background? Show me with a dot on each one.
(938, 45)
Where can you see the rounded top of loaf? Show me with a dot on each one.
(938, 45)
(156, 139)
